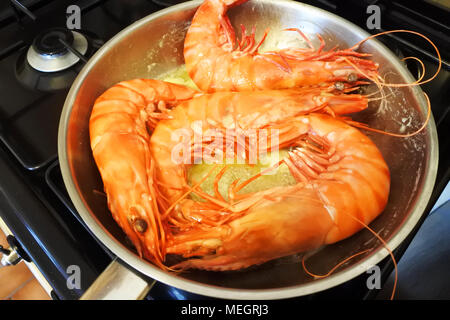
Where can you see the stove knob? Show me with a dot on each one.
(10, 257)
(14, 254)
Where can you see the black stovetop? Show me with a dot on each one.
(33, 200)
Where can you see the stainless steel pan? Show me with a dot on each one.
(154, 45)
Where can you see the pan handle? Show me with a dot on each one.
(118, 282)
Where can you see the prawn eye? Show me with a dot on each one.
(352, 77)
(140, 225)
(339, 86)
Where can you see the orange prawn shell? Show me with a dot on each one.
(215, 65)
(246, 110)
(119, 135)
(284, 220)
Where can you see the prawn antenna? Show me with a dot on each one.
(356, 255)
(400, 85)
(318, 276)
(398, 135)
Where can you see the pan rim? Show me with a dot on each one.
(148, 269)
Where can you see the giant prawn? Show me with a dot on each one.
(339, 173)
(216, 61)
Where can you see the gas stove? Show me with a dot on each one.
(39, 59)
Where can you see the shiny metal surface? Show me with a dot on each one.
(57, 62)
(10, 259)
(153, 46)
(117, 283)
(9, 256)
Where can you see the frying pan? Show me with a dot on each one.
(153, 46)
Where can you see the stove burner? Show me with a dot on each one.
(48, 43)
(49, 52)
(45, 72)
